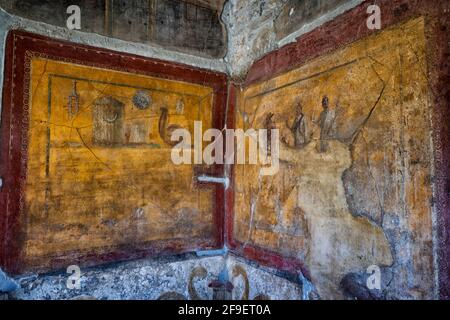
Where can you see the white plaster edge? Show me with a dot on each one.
(318, 22)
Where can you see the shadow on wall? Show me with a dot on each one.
(187, 26)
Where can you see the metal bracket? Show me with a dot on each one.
(221, 180)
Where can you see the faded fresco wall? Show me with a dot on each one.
(11, 22)
(353, 188)
(99, 172)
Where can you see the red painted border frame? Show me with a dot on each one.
(345, 29)
(13, 147)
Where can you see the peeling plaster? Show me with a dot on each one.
(150, 279)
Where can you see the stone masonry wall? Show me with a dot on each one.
(256, 27)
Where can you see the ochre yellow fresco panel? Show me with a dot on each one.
(99, 172)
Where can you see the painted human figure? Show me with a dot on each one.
(269, 124)
(326, 121)
(299, 128)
